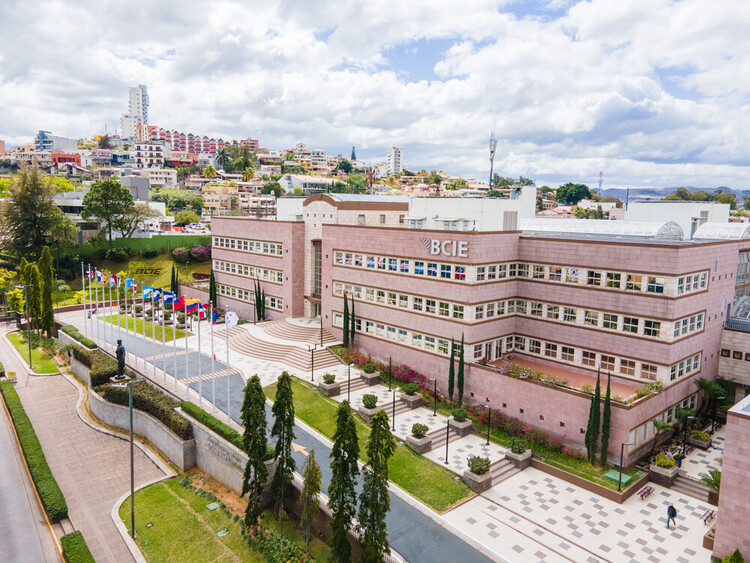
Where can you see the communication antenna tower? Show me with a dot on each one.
(493, 147)
(601, 180)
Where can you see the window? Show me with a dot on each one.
(569, 314)
(381, 263)
(361, 219)
(443, 346)
(445, 271)
(724, 353)
(500, 308)
(416, 340)
(535, 346)
(519, 343)
(536, 309)
(458, 311)
(588, 358)
(523, 271)
(610, 321)
(555, 273)
(550, 350)
(444, 310)
(655, 285)
(538, 272)
(651, 328)
(511, 270)
(607, 362)
(736, 355)
(401, 335)
(419, 268)
(490, 310)
(403, 266)
(681, 285)
(403, 301)
(478, 348)
(594, 278)
(380, 296)
(391, 299)
(630, 324)
(703, 280)
(432, 270)
(479, 312)
(392, 265)
(590, 318)
(568, 353)
(648, 371)
(417, 304)
(633, 282)
(502, 271)
(370, 294)
(613, 280)
(391, 333)
(430, 305)
(491, 272)
(382, 219)
(480, 273)
(553, 311)
(429, 342)
(459, 273)
(571, 275)
(627, 367)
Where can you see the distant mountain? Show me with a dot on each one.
(658, 193)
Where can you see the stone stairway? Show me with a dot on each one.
(357, 383)
(501, 470)
(691, 487)
(294, 356)
(283, 329)
(438, 437)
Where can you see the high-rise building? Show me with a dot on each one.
(395, 159)
(137, 112)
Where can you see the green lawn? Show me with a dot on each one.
(182, 528)
(168, 330)
(41, 362)
(421, 478)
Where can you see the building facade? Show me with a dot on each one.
(422, 272)
(186, 142)
(394, 163)
(137, 114)
(151, 154)
(46, 141)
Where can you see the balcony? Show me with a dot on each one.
(742, 325)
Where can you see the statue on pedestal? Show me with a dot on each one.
(120, 360)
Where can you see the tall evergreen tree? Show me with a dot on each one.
(606, 422)
(309, 501)
(346, 321)
(374, 502)
(354, 154)
(212, 289)
(452, 370)
(263, 303)
(48, 283)
(595, 419)
(256, 293)
(460, 377)
(352, 324)
(255, 445)
(283, 431)
(589, 430)
(171, 280)
(34, 292)
(342, 494)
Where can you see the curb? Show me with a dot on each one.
(20, 357)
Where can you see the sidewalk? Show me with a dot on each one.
(92, 468)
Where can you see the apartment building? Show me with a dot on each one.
(151, 154)
(161, 177)
(137, 115)
(395, 163)
(187, 142)
(46, 141)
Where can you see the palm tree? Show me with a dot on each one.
(712, 479)
(209, 172)
(223, 157)
(711, 391)
(659, 427)
(248, 174)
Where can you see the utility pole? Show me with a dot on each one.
(493, 148)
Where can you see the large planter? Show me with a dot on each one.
(713, 497)
(478, 483)
(368, 414)
(330, 389)
(701, 444)
(461, 428)
(520, 461)
(664, 476)
(411, 401)
(708, 540)
(370, 378)
(419, 445)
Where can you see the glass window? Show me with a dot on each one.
(536, 309)
(370, 294)
(443, 346)
(458, 311)
(571, 275)
(417, 304)
(569, 314)
(381, 263)
(432, 270)
(681, 286)
(553, 311)
(419, 268)
(594, 278)
(627, 367)
(480, 273)
(630, 324)
(490, 310)
(568, 353)
(500, 308)
(535, 346)
(555, 273)
(392, 265)
(338, 258)
(370, 261)
(430, 305)
(614, 279)
(607, 362)
(401, 335)
(523, 271)
(403, 301)
(391, 333)
(444, 309)
(380, 296)
(479, 312)
(445, 271)
(610, 321)
(550, 350)
(357, 259)
(651, 328)
(655, 285)
(588, 358)
(416, 340)
(429, 342)
(538, 272)
(459, 273)
(633, 282)
(502, 271)
(391, 299)
(648, 371)
(591, 318)
(491, 272)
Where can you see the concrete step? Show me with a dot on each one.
(287, 331)
(501, 470)
(438, 437)
(690, 487)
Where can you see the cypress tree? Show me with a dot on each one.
(606, 422)
(212, 289)
(256, 293)
(309, 501)
(34, 292)
(353, 327)
(173, 281)
(176, 282)
(589, 431)
(374, 502)
(595, 419)
(460, 377)
(263, 303)
(283, 431)
(342, 493)
(47, 276)
(346, 322)
(255, 444)
(452, 371)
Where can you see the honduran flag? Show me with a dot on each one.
(156, 294)
(147, 291)
(169, 297)
(130, 283)
(191, 306)
(179, 303)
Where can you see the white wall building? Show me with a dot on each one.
(395, 159)
(161, 177)
(137, 112)
(152, 154)
(689, 215)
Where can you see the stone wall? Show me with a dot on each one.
(80, 370)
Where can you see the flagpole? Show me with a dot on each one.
(111, 312)
(153, 332)
(229, 399)
(200, 367)
(187, 371)
(174, 344)
(213, 360)
(83, 294)
(143, 309)
(91, 300)
(117, 294)
(163, 341)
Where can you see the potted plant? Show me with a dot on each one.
(459, 423)
(149, 314)
(519, 454)
(712, 480)
(369, 407)
(180, 320)
(329, 386)
(664, 470)
(370, 373)
(409, 395)
(478, 475)
(418, 440)
(699, 439)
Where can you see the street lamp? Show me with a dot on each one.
(716, 407)
(28, 321)
(393, 418)
(312, 362)
(349, 383)
(434, 397)
(489, 423)
(447, 436)
(390, 373)
(622, 451)
(684, 436)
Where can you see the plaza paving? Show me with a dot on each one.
(699, 461)
(533, 516)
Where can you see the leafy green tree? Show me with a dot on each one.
(309, 501)
(62, 184)
(255, 445)
(283, 431)
(48, 283)
(109, 203)
(342, 493)
(375, 502)
(209, 172)
(105, 142)
(452, 370)
(224, 157)
(659, 428)
(357, 183)
(196, 204)
(345, 166)
(135, 218)
(582, 213)
(297, 191)
(571, 194)
(606, 422)
(186, 217)
(346, 321)
(34, 293)
(460, 376)
(272, 188)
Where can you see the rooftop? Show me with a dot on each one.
(659, 230)
(722, 231)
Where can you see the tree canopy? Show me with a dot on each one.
(109, 203)
(719, 195)
(571, 194)
(186, 217)
(272, 188)
(345, 166)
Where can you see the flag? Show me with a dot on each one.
(129, 282)
(214, 317)
(169, 297)
(157, 294)
(179, 303)
(147, 291)
(113, 280)
(98, 276)
(134, 287)
(91, 273)
(230, 319)
(202, 311)
(191, 306)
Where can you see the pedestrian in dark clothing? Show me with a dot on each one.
(671, 513)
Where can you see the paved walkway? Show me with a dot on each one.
(699, 461)
(92, 468)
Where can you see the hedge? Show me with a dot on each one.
(2, 369)
(73, 332)
(49, 491)
(152, 401)
(75, 549)
(223, 430)
(102, 367)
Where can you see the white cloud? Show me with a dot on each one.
(653, 92)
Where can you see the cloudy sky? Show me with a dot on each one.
(652, 92)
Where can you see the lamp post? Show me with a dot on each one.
(349, 383)
(390, 373)
(622, 452)
(393, 418)
(434, 397)
(321, 327)
(312, 362)
(132, 462)
(684, 435)
(489, 423)
(447, 435)
(713, 416)
(28, 321)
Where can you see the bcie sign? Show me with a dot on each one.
(436, 247)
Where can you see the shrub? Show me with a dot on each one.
(538, 437)
(49, 492)
(459, 415)
(149, 253)
(167, 306)
(117, 255)
(479, 465)
(329, 378)
(369, 367)
(181, 318)
(74, 333)
(2, 370)
(700, 435)
(83, 356)
(663, 460)
(200, 253)
(167, 315)
(587, 388)
(103, 367)
(139, 308)
(181, 254)
(517, 445)
(650, 389)
(75, 549)
(735, 557)
(410, 388)
(152, 401)
(369, 401)
(419, 430)
(149, 311)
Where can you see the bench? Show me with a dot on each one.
(709, 515)
(11, 375)
(645, 491)
(689, 448)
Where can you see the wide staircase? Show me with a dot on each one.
(501, 470)
(438, 437)
(294, 356)
(357, 383)
(285, 330)
(691, 487)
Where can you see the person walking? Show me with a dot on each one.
(671, 514)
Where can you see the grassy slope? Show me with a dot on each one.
(432, 485)
(42, 363)
(168, 330)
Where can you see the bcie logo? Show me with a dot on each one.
(458, 248)
(148, 271)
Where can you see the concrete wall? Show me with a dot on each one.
(736, 368)
(80, 370)
(733, 520)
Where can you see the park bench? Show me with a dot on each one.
(11, 375)
(645, 491)
(709, 515)
(689, 448)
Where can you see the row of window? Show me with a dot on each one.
(645, 432)
(274, 276)
(685, 367)
(688, 284)
(735, 354)
(258, 247)
(401, 265)
(249, 296)
(688, 325)
(402, 300)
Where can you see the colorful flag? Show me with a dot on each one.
(191, 306)
(99, 278)
(179, 303)
(231, 319)
(214, 318)
(129, 282)
(157, 294)
(91, 273)
(147, 291)
(169, 297)
(113, 280)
